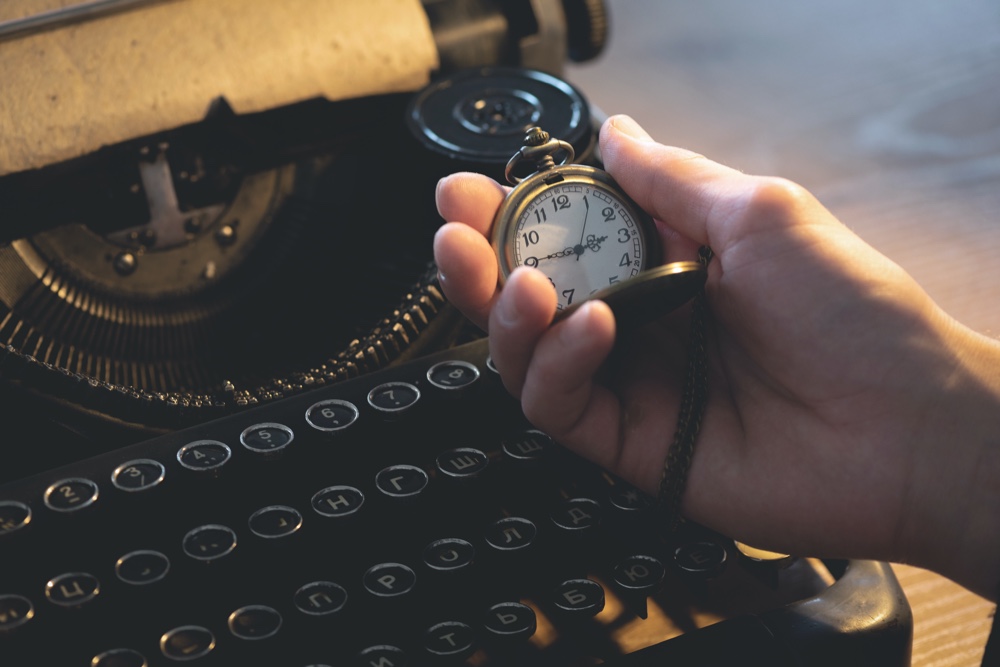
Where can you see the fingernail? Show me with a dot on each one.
(627, 126)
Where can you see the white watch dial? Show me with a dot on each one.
(582, 236)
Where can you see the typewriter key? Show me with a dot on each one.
(255, 621)
(119, 657)
(187, 642)
(267, 439)
(275, 521)
(450, 639)
(13, 516)
(510, 621)
(72, 589)
(71, 495)
(204, 455)
(138, 475)
(142, 567)
(15, 611)
(453, 375)
(319, 598)
(210, 542)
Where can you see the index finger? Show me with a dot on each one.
(469, 198)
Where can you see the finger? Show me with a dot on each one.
(467, 270)
(685, 190)
(676, 246)
(560, 395)
(523, 312)
(469, 198)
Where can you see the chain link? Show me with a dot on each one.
(693, 400)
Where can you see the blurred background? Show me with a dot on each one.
(889, 112)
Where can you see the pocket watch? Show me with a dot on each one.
(579, 228)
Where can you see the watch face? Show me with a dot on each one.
(582, 233)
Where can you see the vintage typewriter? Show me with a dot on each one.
(242, 426)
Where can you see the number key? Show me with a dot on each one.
(332, 415)
(70, 495)
(138, 475)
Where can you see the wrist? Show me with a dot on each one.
(952, 511)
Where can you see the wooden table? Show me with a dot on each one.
(889, 112)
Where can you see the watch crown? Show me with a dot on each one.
(535, 136)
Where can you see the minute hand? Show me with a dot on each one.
(583, 232)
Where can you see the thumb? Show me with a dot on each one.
(681, 188)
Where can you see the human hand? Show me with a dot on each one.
(833, 376)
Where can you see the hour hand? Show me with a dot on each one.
(562, 253)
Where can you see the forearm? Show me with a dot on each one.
(953, 522)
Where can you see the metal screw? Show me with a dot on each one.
(125, 263)
(226, 235)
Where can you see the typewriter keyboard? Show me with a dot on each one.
(407, 517)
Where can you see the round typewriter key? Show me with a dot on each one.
(705, 559)
(511, 534)
(266, 439)
(449, 554)
(254, 621)
(528, 446)
(204, 455)
(510, 620)
(15, 611)
(332, 415)
(580, 596)
(382, 656)
(187, 642)
(142, 567)
(642, 574)
(275, 521)
(401, 481)
(70, 495)
(452, 375)
(209, 542)
(72, 589)
(449, 639)
(320, 598)
(393, 398)
(577, 515)
(389, 580)
(119, 657)
(462, 463)
(338, 501)
(13, 516)
(629, 499)
(138, 475)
